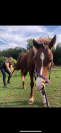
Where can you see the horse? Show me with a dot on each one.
(41, 56)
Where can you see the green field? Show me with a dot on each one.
(16, 96)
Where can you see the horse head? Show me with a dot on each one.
(43, 57)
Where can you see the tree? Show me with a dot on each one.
(14, 62)
(2, 59)
(14, 52)
(29, 44)
(57, 54)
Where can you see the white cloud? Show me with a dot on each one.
(13, 45)
(18, 34)
(14, 36)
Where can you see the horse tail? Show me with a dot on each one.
(14, 69)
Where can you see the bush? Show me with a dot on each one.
(14, 62)
(2, 59)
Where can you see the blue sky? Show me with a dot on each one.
(16, 36)
(52, 28)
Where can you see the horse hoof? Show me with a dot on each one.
(30, 101)
(24, 88)
(46, 104)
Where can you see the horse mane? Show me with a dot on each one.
(44, 42)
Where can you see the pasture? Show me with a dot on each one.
(16, 96)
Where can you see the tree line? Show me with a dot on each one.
(15, 52)
(57, 54)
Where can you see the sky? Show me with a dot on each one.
(17, 36)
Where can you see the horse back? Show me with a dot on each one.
(26, 61)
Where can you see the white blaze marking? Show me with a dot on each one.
(39, 80)
(42, 58)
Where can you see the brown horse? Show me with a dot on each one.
(41, 55)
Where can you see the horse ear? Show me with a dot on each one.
(52, 43)
(35, 44)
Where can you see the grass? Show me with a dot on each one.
(16, 96)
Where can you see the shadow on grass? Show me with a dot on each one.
(9, 87)
(22, 104)
(20, 88)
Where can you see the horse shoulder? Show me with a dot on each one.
(30, 61)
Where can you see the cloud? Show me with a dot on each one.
(58, 34)
(14, 36)
(17, 35)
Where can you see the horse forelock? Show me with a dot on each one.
(43, 42)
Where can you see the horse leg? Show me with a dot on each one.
(23, 74)
(44, 99)
(31, 84)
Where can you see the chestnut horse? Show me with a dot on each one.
(41, 56)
